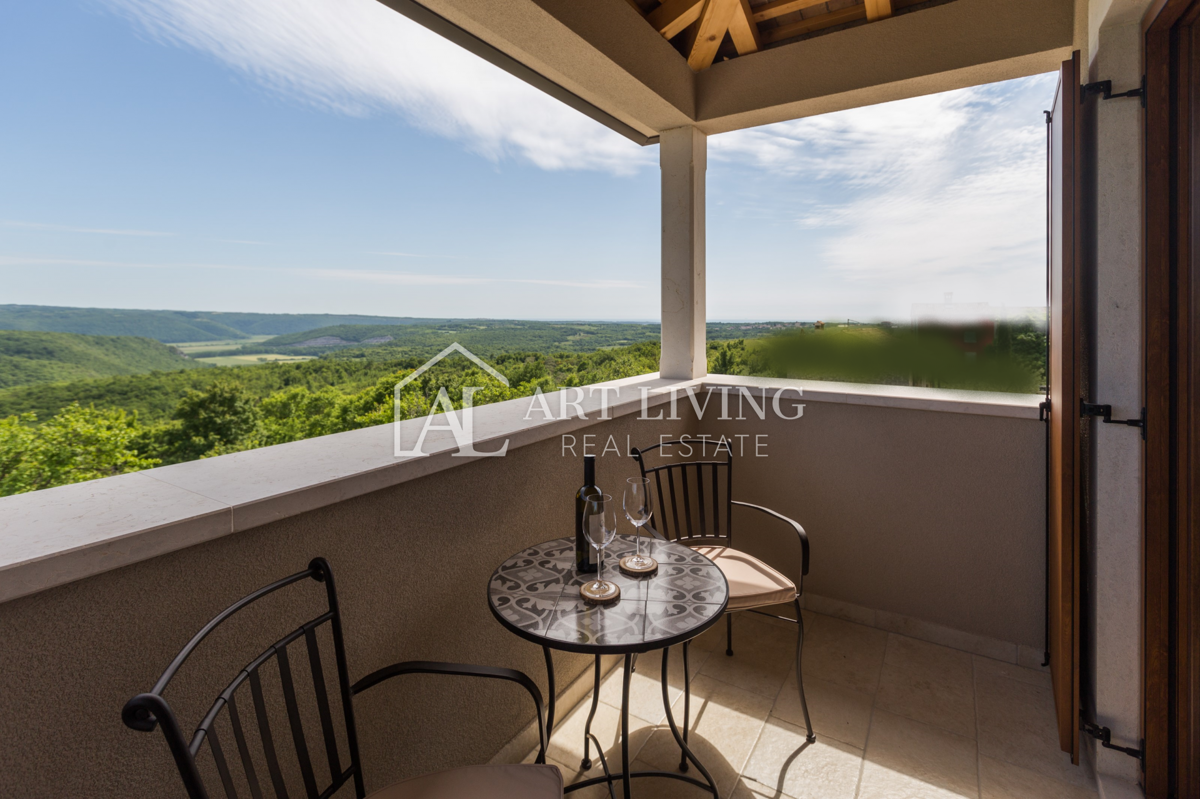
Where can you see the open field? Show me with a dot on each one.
(252, 360)
(193, 348)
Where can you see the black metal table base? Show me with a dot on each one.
(625, 776)
(590, 781)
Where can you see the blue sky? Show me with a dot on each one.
(331, 156)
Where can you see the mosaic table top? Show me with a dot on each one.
(535, 593)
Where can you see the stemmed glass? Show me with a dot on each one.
(600, 526)
(636, 503)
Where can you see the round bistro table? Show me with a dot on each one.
(535, 594)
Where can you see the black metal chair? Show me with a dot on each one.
(690, 497)
(305, 773)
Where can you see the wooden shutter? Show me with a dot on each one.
(1065, 385)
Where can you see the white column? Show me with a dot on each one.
(683, 157)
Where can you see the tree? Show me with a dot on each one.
(76, 445)
(218, 418)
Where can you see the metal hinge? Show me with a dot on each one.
(1104, 413)
(1043, 410)
(1104, 736)
(1104, 89)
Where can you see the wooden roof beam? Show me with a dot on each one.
(840, 17)
(778, 8)
(878, 9)
(714, 24)
(673, 16)
(744, 30)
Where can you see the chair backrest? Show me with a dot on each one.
(232, 712)
(691, 483)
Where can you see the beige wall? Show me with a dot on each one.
(412, 564)
(1113, 610)
(932, 515)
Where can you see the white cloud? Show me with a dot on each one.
(70, 229)
(359, 57)
(913, 198)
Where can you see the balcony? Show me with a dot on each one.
(925, 509)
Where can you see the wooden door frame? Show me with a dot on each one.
(1171, 344)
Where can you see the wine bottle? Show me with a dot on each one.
(585, 556)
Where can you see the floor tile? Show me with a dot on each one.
(566, 744)
(837, 712)
(986, 668)
(844, 653)
(663, 787)
(785, 762)
(1017, 725)
(750, 789)
(887, 711)
(725, 723)
(763, 655)
(1000, 780)
(929, 683)
(662, 753)
(645, 685)
(906, 759)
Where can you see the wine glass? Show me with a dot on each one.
(636, 503)
(600, 526)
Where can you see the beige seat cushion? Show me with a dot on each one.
(752, 583)
(480, 782)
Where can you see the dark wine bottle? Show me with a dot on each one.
(585, 556)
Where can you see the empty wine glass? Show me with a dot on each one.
(600, 526)
(636, 503)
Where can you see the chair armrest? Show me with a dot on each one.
(461, 670)
(795, 526)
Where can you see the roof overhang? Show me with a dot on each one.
(601, 57)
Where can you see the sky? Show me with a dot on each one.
(330, 156)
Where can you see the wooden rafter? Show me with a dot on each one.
(744, 30)
(711, 29)
(673, 16)
(878, 9)
(778, 8)
(841, 17)
(704, 23)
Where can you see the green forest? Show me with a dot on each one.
(28, 358)
(65, 432)
(485, 337)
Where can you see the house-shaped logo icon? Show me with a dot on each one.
(455, 347)
(462, 429)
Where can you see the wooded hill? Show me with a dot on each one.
(173, 327)
(484, 337)
(28, 358)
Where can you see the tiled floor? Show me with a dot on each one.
(895, 718)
